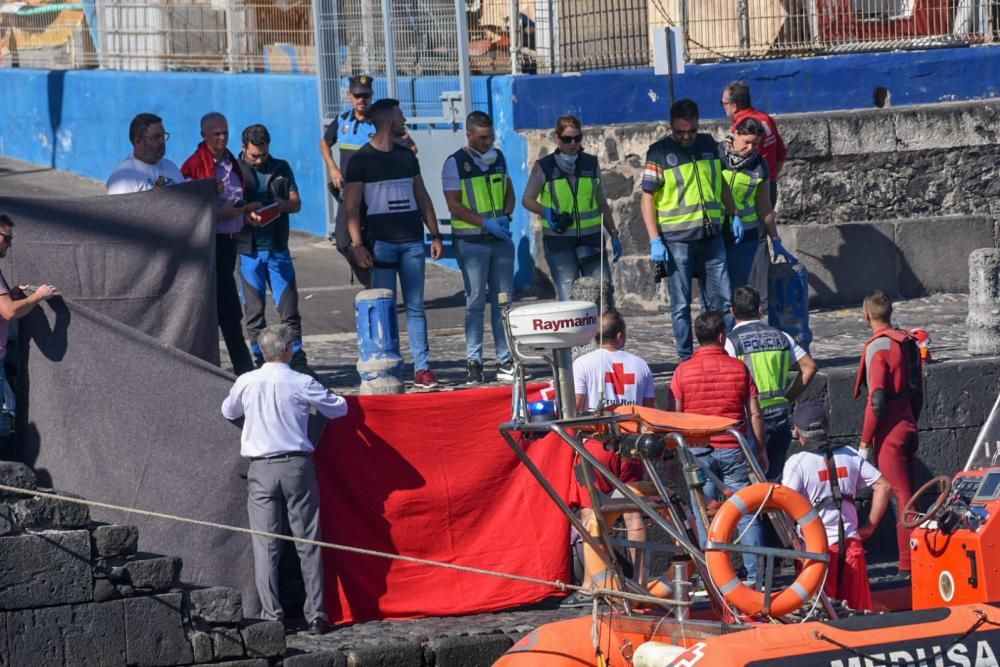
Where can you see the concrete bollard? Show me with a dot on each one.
(984, 301)
(379, 362)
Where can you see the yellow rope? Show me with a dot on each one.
(562, 586)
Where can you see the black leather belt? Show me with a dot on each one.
(281, 457)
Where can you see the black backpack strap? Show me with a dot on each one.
(838, 500)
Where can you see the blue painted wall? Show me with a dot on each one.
(78, 121)
(778, 86)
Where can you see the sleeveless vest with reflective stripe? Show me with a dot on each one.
(743, 185)
(483, 191)
(691, 190)
(768, 356)
(559, 195)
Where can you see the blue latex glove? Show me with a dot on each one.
(498, 227)
(616, 249)
(738, 228)
(779, 250)
(550, 217)
(657, 250)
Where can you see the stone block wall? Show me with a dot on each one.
(912, 164)
(75, 592)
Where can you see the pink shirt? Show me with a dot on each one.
(232, 191)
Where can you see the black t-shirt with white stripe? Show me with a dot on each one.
(389, 209)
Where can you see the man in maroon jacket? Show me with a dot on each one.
(212, 159)
(715, 384)
(890, 368)
(736, 103)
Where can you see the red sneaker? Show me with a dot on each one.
(425, 379)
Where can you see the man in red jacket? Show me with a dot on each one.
(212, 159)
(890, 368)
(736, 103)
(715, 384)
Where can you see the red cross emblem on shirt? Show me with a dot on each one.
(824, 475)
(619, 378)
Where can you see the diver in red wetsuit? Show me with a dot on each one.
(891, 369)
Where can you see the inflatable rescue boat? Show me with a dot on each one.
(946, 617)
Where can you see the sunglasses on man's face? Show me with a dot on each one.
(9, 238)
(570, 138)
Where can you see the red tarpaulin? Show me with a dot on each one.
(428, 475)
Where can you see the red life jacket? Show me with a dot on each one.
(913, 385)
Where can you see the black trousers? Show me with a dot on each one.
(228, 303)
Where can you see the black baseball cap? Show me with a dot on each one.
(360, 85)
(810, 416)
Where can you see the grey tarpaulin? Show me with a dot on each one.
(113, 406)
(145, 259)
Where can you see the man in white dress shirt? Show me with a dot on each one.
(146, 168)
(275, 401)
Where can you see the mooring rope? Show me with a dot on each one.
(560, 585)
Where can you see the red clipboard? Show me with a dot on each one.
(268, 214)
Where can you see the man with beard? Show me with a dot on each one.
(683, 195)
(146, 168)
(384, 187)
(351, 130)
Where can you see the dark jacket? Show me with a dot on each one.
(277, 188)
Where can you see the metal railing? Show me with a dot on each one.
(151, 35)
(523, 36)
(750, 29)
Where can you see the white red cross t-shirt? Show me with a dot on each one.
(626, 378)
(808, 474)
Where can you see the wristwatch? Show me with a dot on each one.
(437, 237)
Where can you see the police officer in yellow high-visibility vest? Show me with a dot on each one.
(565, 189)
(683, 198)
(771, 356)
(480, 198)
(746, 172)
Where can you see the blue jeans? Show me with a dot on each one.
(487, 265)
(566, 265)
(272, 268)
(748, 264)
(407, 261)
(730, 466)
(706, 259)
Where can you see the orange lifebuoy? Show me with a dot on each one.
(720, 565)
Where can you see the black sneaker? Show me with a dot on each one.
(577, 599)
(505, 372)
(475, 372)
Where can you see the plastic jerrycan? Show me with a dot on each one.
(788, 300)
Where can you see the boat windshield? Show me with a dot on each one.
(986, 451)
(985, 455)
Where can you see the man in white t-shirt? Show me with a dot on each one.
(808, 471)
(146, 168)
(626, 380)
(624, 377)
